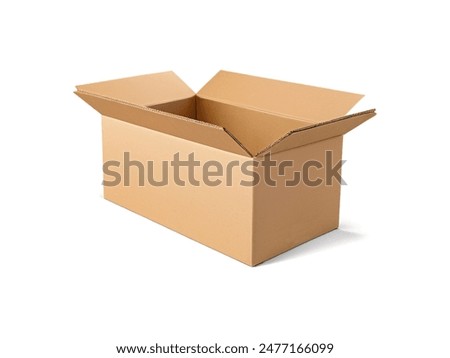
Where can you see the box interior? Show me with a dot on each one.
(237, 113)
(253, 128)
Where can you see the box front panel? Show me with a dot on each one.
(299, 200)
(189, 187)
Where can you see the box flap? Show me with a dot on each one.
(146, 90)
(318, 132)
(178, 126)
(301, 101)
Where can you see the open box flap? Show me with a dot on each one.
(317, 132)
(146, 90)
(178, 126)
(313, 104)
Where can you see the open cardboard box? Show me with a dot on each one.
(229, 127)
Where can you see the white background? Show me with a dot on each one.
(79, 275)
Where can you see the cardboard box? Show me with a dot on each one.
(225, 195)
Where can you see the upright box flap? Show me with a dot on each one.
(317, 132)
(309, 103)
(146, 90)
(178, 126)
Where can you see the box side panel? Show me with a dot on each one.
(217, 216)
(254, 129)
(299, 201)
(184, 107)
